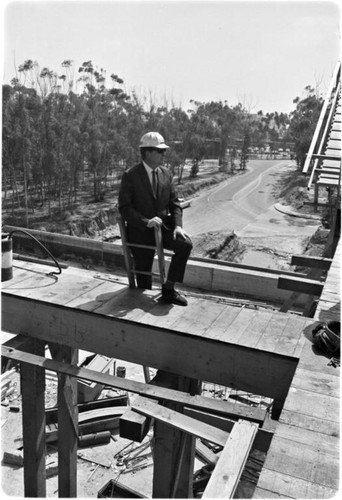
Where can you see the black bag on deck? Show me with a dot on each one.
(326, 337)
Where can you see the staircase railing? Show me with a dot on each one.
(321, 134)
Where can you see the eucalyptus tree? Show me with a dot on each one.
(20, 112)
(99, 125)
(303, 123)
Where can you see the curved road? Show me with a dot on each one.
(238, 201)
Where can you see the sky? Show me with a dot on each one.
(261, 54)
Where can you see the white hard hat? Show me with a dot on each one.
(153, 140)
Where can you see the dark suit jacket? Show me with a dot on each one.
(137, 203)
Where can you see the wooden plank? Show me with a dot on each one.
(251, 336)
(301, 285)
(113, 411)
(67, 427)
(198, 317)
(128, 260)
(331, 157)
(32, 383)
(205, 453)
(94, 298)
(164, 315)
(312, 403)
(174, 450)
(203, 358)
(310, 422)
(19, 274)
(59, 289)
(290, 338)
(134, 426)
(51, 414)
(180, 421)
(261, 442)
(306, 437)
(328, 182)
(311, 261)
(273, 331)
(226, 475)
(317, 381)
(239, 325)
(303, 462)
(130, 304)
(274, 484)
(34, 282)
(219, 326)
(210, 404)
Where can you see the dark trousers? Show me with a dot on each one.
(143, 258)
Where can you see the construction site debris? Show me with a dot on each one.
(12, 459)
(51, 414)
(114, 489)
(94, 439)
(87, 390)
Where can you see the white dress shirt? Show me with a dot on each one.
(149, 171)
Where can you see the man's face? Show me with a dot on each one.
(155, 157)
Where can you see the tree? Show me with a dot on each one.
(303, 123)
(245, 150)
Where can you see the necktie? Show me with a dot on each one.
(155, 183)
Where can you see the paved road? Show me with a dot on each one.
(238, 201)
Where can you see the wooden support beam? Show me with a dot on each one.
(134, 426)
(251, 370)
(311, 261)
(198, 402)
(327, 157)
(174, 450)
(261, 442)
(32, 382)
(301, 285)
(67, 427)
(226, 475)
(180, 421)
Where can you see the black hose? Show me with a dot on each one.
(42, 246)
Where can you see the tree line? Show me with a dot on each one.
(55, 134)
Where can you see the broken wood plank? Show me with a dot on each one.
(226, 475)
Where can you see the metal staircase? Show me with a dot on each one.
(323, 161)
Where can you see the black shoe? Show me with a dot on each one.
(173, 297)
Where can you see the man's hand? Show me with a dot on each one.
(155, 222)
(180, 231)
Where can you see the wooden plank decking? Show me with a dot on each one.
(303, 460)
(259, 350)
